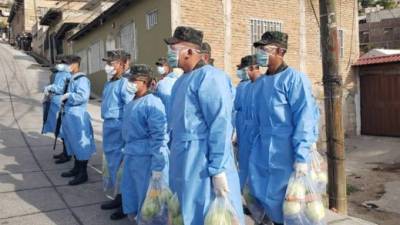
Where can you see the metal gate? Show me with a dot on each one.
(380, 104)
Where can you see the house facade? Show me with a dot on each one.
(380, 29)
(24, 15)
(230, 26)
(136, 26)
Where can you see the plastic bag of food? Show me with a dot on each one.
(254, 206)
(221, 212)
(303, 205)
(318, 170)
(154, 210)
(110, 187)
(174, 211)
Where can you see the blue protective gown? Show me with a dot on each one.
(115, 97)
(164, 88)
(144, 131)
(285, 118)
(200, 119)
(57, 90)
(238, 106)
(76, 126)
(317, 116)
(246, 130)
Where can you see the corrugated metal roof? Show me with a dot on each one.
(380, 52)
(378, 60)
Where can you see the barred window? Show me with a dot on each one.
(341, 43)
(95, 55)
(127, 39)
(259, 27)
(84, 60)
(151, 19)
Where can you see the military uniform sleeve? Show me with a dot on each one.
(302, 106)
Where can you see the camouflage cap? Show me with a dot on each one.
(66, 59)
(248, 60)
(162, 61)
(187, 34)
(114, 55)
(140, 70)
(273, 37)
(206, 48)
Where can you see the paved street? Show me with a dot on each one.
(31, 189)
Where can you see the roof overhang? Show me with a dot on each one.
(395, 58)
(65, 27)
(103, 17)
(50, 16)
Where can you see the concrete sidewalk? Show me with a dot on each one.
(31, 189)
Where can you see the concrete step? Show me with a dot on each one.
(338, 219)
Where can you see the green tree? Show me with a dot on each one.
(387, 4)
(367, 3)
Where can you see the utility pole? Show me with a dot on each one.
(36, 16)
(333, 106)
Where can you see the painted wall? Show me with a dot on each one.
(149, 43)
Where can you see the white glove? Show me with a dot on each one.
(46, 90)
(301, 169)
(156, 175)
(64, 97)
(220, 183)
(45, 98)
(314, 147)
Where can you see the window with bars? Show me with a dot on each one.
(341, 43)
(259, 27)
(95, 55)
(151, 19)
(84, 60)
(127, 39)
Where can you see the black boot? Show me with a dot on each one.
(118, 215)
(113, 204)
(82, 176)
(64, 157)
(74, 170)
(64, 152)
(58, 155)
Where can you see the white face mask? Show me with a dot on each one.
(110, 71)
(161, 70)
(131, 87)
(61, 67)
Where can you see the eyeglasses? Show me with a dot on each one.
(179, 48)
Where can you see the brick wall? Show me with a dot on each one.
(380, 36)
(208, 16)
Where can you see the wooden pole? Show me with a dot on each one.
(333, 106)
